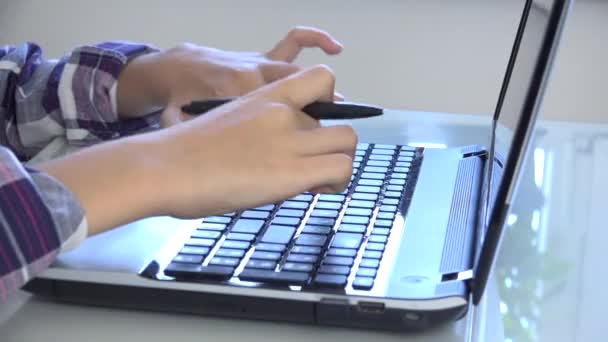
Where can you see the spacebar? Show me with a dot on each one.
(285, 277)
(199, 271)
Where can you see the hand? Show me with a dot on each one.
(188, 72)
(257, 150)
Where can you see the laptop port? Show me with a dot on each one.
(370, 308)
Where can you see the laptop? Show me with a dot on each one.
(408, 246)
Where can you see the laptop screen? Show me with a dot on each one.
(518, 106)
(511, 104)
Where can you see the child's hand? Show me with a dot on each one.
(189, 72)
(259, 149)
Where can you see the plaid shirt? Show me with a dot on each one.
(72, 100)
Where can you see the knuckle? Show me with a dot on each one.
(324, 71)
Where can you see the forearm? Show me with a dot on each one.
(115, 182)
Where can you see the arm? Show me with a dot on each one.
(39, 217)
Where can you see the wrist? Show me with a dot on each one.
(140, 87)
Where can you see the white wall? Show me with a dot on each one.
(425, 55)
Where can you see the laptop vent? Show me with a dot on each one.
(459, 237)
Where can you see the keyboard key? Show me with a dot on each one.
(385, 146)
(247, 226)
(306, 250)
(266, 255)
(374, 246)
(321, 221)
(378, 238)
(305, 258)
(405, 159)
(231, 214)
(371, 263)
(284, 277)
(396, 181)
(295, 205)
(366, 272)
(278, 234)
(352, 228)
(356, 164)
(368, 189)
(261, 264)
(324, 213)
(311, 240)
(396, 188)
(231, 253)
(188, 258)
(358, 212)
(362, 146)
(333, 269)
(331, 198)
(371, 182)
(200, 242)
(380, 231)
(361, 204)
(380, 157)
(383, 152)
(323, 230)
(195, 250)
(328, 205)
(240, 237)
(217, 219)
(383, 163)
(336, 260)
(213, 226)
(290, 212)
(347, 240)
(199, 271)
(406, 154)
(356, 220)
(302, 198)
(403, 164)
(392, 194)
(297, 267)
(407, 149)
(236, 244)
(372, 254)
(370, 175)
(355, 171)
(223, 261)
(383, 223)
(358, 159)
(255, 214)
(360, 152)
(364, 196)
(363, 283)
(342, 252)
(389, 208)
(268, 207)
(390, 201)
(376, 169)
(206, 234)
(330, 280)
(286, 221)
(399, 175)
(270, 247)
(385, 215)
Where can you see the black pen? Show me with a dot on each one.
(339, 110)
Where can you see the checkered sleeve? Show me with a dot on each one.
(73, 97)
(39, 218)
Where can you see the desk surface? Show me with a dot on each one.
(547, 283)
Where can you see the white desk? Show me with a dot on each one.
(548, 280)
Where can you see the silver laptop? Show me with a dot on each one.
(408, 246)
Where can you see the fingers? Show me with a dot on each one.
(302, 88)
(273, 71)
(326, 140)
(327, 173)
(301, 37)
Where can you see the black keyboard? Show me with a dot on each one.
(326, 240)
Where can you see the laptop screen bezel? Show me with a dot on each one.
(520, 145)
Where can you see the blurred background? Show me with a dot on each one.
(442, 56)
